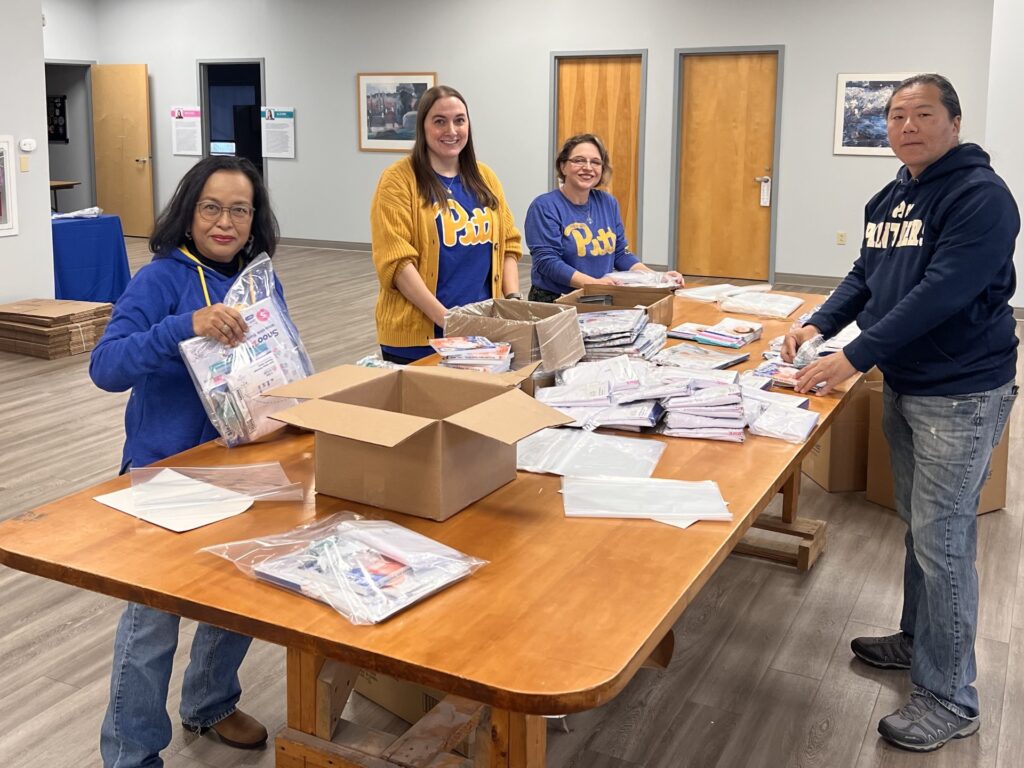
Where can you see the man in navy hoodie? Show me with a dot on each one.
(930, 293)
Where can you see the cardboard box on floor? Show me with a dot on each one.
(838, 462)
(424, 441)
(879, 476)
(656, 301)
(409, 701)
(537, 331)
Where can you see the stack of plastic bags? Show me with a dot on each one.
(673, 502)
(712, 413)
(620, 332)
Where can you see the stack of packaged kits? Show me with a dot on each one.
(728, 332)
(52, 328)
(711, 413)
(620, 332)
(474, 353)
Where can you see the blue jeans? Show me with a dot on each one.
(136, 726)
(941, 447)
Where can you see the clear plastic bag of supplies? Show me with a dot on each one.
(585, 454)
(231, 380)
(643, 279)
(763, 304)
(366, 570)
(782, 422)
(156, 488)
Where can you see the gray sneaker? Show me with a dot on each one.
(923, 724)
(890, 652)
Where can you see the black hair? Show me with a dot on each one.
(173, 225)
(947, 93)
(584, 138)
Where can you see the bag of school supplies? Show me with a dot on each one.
(366, 570)
(231, 380)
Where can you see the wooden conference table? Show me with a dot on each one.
(559, 621)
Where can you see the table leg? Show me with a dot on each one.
(316, 736)
(810, 534)
(517, 740)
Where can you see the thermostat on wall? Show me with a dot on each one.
(27, 145)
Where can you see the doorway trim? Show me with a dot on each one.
(642, 129)
(87, 63)
(677, 142)
(204, 102)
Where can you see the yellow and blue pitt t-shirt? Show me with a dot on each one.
(465, 232)
(564, 238)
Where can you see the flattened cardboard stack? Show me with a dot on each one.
(52, 328)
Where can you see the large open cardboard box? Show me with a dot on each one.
(549, 333)
(424, 441)
(657, 302)
(879, 476)
(838, 462)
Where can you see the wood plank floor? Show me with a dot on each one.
(762, 673)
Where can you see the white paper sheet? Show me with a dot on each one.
(187, 503)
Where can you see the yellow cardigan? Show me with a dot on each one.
(403, 229)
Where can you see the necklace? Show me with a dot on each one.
(582, 209)
(586, 209)
(446, 182)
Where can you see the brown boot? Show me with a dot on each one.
(241, 731)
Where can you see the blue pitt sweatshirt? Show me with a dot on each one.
(931, 288)
(139, 351)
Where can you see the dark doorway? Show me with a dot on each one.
(232, 94)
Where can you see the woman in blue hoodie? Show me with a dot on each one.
(218, 220)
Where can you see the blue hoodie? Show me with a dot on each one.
(139, 351)
(931, 288)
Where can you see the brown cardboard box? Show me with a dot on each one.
(536, 331)
(839, 460)
(657, 302)
(425, 441)
(879, 479)
(409, 701)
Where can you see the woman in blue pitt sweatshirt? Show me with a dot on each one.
(575, 233)
(217, 221)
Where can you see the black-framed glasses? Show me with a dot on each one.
(579, 162)
(210, 211)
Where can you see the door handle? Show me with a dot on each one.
(141, 159)
(762, 179)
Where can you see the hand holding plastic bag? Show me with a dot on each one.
(231, 380)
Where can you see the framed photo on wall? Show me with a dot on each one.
(860, 113)
(8, 198)
(387, 108)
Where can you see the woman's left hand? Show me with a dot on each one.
(677, 277)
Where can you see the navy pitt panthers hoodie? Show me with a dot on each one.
(931, 288)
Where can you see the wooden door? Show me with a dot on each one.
(121, 135)
(727, 142)
(603, 95)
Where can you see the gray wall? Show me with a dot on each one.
(73, 161)
(498, 56)
(26, 260)
(1006, 110)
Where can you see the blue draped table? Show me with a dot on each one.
(90, 262)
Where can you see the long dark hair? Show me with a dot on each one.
(175, 221)
(431, 189)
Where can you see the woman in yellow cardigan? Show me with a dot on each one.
(442, 232)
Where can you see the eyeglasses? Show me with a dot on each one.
(579, 162)
(209, 211)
